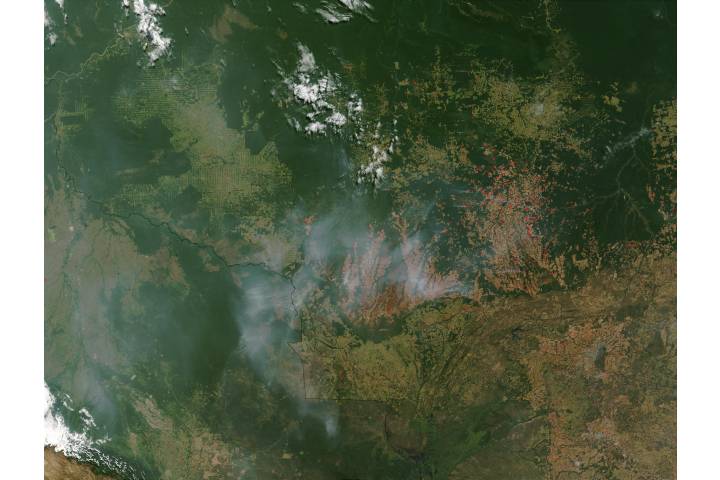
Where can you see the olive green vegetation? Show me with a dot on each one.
(230, 297)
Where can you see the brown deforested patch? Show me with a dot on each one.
(507, 224)
(376, 285)
(222, 29)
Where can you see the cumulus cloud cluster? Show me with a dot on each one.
(50, 35)
(342, 10)
(322, 103)
(156, 45)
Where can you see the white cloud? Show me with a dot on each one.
(57, 433)
(343, 10)
(156, 45)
